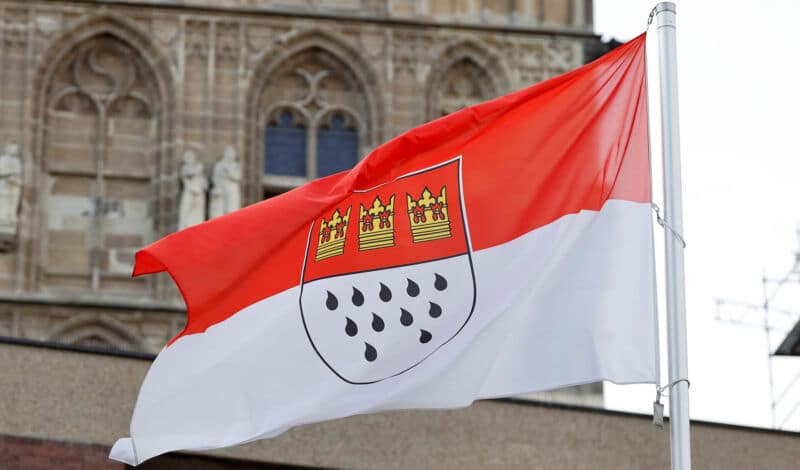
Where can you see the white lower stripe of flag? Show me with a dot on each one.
(565, 304)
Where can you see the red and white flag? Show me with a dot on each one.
(504, 249)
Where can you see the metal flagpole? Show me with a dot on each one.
(673, 230)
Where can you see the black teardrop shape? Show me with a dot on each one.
(358, 297)
(435, 310)
(377, 323)
(351, 328)
(370, 353)
(424, 336)
(331, 302)
(406, 319)
(412, 289)
(440, 283)
(385, 294)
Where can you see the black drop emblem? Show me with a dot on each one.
(351, 328)
(412, 289)
(406, 319)
(358, 297)
(435, 311)
(331, 302)
(424, 336)
(370, 353)
(440, 283)
(377, 323)
(385, 294)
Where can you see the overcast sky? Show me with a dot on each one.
(739, 73)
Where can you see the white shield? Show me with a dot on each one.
(372, 325)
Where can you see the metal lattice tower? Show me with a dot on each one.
(776, 322)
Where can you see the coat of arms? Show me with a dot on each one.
(388, 277)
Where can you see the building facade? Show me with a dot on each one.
(102, 100)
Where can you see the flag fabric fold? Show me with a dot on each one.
(500, 250)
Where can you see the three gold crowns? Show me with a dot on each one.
(428, 216)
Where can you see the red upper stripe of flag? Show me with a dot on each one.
(528, 158)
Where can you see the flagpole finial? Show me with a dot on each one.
(664, 6)
(660, 7)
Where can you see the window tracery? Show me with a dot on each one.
(465, 83)
(460, 77)
(100, 135)
(315, 122)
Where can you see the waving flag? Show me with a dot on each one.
(503, 249)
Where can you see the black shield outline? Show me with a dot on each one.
(456, 160)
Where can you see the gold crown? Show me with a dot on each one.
(332, 235)
(376, 225)
(429, 217)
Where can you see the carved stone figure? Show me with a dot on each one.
(192, 209)
(10, 188)
(226, 193)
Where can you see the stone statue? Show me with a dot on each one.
(10, 188)
(192, 209)
(226, 193)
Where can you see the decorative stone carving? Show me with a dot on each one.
(226, 193)
(15, 28)
(465, 84)
(96, 332)
(196, 40)
(192, 209)
(460, 77)
(227, 44)
(10, 190)
(96, 325)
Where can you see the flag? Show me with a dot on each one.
(503, 249)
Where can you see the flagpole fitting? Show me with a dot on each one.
(662, 7)
(658, 408)
(660, 390)
(666, 226)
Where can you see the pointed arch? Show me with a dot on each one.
(471, 67)
(97, 332)
(328, 54)
(114, 35)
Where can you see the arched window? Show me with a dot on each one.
(315, 119)
(101, 137)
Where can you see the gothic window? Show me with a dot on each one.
(314, 115)
(100, 143)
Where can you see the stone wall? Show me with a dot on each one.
(71, 396)
(572, 14)
(31, 453)
(103, 325)
(34, 454)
